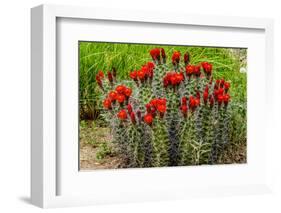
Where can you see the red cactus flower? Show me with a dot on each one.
(207, 67)
(120, 89)
(107, 103)
(205, 96)
(189, 70)
(220, 91)
(173, 78)
(148, 118)
(186, 58)
(141, 74)
(179, 77)
(153, 102)
(112, 95)
(120, 98)
(153, 112)
(134, 75)
(165, 82)
(148, 108)
(148, 69)
(211, 101)
(145, 68)
(110, 76)
(216, 93)
(129, 108)
(197, 102)
(197, 71)
(155, 54)
(220, 99)
(156, 104)
(193, 102)
(161, 108)
(222, 83)
(216, 86)
(176, 57)
(226, 86)
(100, 74)
(128, 92)
(184, 110)
(161, 101)
(163, 55)
(133, 117)
(226, 99)
(150, 73)
(122, 114)
(98, 79)
(150, 65)
(184, 100)
(166, 78)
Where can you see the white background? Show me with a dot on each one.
(15, 104)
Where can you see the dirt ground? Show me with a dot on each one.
(91, 141)
(97, 150)
(234, 153)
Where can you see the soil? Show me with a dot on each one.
(92, 138)
(234, 153)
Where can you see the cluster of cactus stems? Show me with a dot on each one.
(167, 115)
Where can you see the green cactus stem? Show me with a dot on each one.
(172, 117)
(144, 96)
(186, 134)
(120, 138)
(145, 134)
(160, 141)
(221, 132)
(135, 145)
(157, 82)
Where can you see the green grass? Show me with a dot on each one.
(96, 56)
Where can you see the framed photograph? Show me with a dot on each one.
(130, 106)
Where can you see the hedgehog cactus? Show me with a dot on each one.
(174, 114)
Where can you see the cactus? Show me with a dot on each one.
(170, 116)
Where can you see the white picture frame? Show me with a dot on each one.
(45, 169)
